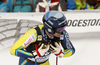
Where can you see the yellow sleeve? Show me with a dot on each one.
(29, 37)
(68, 52)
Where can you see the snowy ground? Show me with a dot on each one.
(87, 47)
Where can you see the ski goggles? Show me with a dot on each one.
(60, 30)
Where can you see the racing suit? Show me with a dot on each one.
(25, 45)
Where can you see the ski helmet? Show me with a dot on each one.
(54, 21)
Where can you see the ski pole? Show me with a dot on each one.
(48, 1)
(56, 60)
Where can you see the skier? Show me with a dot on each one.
(36, 45)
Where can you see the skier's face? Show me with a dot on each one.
(57, 34)
(52, 35)
(60, 30)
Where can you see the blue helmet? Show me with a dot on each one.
(54, 21)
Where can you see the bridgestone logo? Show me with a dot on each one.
(83, 22)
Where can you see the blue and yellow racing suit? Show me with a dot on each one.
(25, 45)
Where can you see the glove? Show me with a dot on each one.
(57, 50)
(41, 51)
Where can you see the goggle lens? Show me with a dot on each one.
(59, 30)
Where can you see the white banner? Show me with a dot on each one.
(77, 21)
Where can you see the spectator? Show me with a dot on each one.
(58, 5)
(76, 4)
(3, 6)
(71, 5)
(21, 6)
(93, 4)
(8, 3)
(80, 4)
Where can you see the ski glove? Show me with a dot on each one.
(58, 51)
(41, 51)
